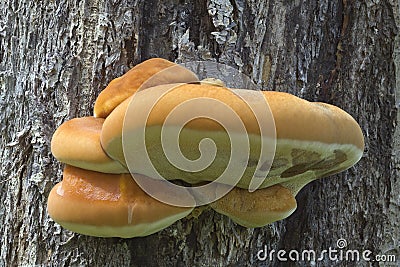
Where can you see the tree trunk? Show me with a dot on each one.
(56, 56)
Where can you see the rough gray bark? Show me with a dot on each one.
(56, 56)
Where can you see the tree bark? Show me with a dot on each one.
(56, 56)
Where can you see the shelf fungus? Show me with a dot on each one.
(108, 205)
(312, 139)
(151, 72)
(193, 132)
(258, 208)
(77, 142)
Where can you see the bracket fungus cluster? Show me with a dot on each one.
(98, 195)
